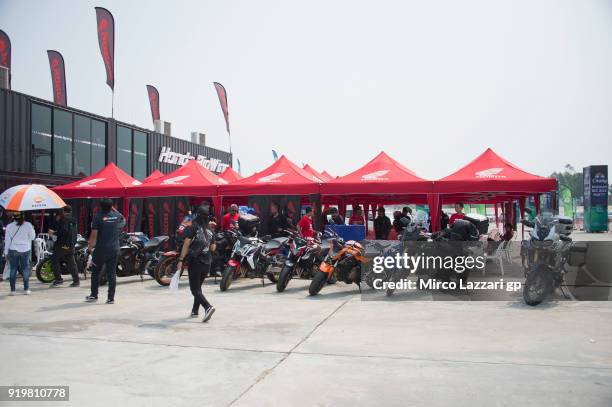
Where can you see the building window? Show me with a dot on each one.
(140, 155)
(82, 146)
(98, 145)
(62, 142)
(41, 138)
(124, 149)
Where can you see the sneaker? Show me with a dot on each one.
(109, 301)
(57, 283)
(208, 314)
(27, 292)
(89, 298)
(74, 284)
(194, 314)
(12, 293)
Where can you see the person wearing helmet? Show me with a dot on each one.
(196, 252)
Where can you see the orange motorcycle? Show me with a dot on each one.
(343, 262)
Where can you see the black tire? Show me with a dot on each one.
(317, 283)
(271, 277)
(165, 270)
(44, 271)
(332, 279)
(227, 278)
(538, 285)
(283, 278)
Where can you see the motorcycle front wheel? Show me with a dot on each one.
(44, 271)
(538, 285)
(283, 278)
(317, 283)
(227, 278)
(165, 270)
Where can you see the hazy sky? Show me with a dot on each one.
(331, 83)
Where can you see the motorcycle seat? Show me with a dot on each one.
(275, 243)
(154, 242)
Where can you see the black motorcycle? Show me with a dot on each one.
(546, 255)
(137, 254)
(44, 270)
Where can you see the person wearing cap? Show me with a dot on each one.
(196, 252)
(305, 224)
(230, 219)
(19, 236)
(382, 225)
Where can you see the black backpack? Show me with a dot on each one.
(200, 244)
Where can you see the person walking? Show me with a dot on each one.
(196, 252)
(382, 225)
(104, 243)
(17, 249)
(63, 249)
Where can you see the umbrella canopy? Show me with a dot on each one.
(489, 174)
(192, 179)
(30, 197)
(316, 173)
(154, 175)
(230, 175)
(283, 177)
(110, 182)
(380, 176)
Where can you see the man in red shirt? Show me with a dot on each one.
(305, 224)
(230, 219)
(457, 215)
(357, 217)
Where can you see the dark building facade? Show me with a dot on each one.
(41, 142)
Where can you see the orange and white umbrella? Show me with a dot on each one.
(31, 197)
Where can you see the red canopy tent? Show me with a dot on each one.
(230, 175)
(281, 178)
(381, 181)
(327, 174)
(316, 173)
(110, 182)
(487, 179)
(154, 175)
(192, 179)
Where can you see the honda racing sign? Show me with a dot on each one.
(166, 155)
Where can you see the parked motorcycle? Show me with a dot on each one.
(546, 255)
(343, 261)
(305, 256)
(44, 270)
(253, 258)
(137, 254)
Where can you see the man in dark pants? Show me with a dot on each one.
(63, 249)
(104, 242)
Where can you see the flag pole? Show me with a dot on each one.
(112, 103)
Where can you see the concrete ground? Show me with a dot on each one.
(265, 349)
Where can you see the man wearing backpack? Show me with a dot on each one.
(63, 248)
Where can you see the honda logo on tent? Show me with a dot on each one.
(90, 183)
(175, 180)
(136, 182)
(272, 177)
(375, 176)
(490, 173)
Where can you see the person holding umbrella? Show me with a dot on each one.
(19, 237)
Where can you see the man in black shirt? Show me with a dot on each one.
(277, 222)
(63, 250)
(382, 225)
(105, 233)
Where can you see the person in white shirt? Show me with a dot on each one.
(19, 235)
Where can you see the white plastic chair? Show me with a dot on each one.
(502, 253)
